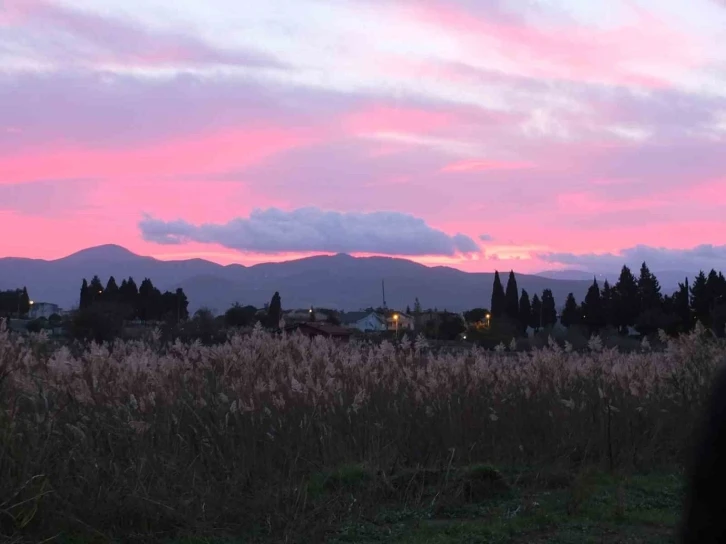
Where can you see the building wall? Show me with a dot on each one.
(43, 309)
(404, 323)
(369, 323)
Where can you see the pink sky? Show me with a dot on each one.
(455, 132)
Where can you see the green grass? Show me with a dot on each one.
(593, 508)
(521, 507)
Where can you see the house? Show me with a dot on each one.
(43, 309)
(326, 330)
(368, 321)
(296, 316)
(398, 321)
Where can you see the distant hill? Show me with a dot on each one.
(339, 281)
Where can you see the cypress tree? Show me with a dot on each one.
(499, 299)
(274, 311)
(182, 304)
(549, 308)
(625, 300)
(571, 312)
(606, 296)
(525, 311)
(535, 317)
(512, 298)
(85, 299)
(682, 306)
(700, 303)
(111, 292)
(146, 300)
(592, 314)
(24, 302)
(95, 289)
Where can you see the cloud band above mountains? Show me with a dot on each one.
(312, 230)
(702, 257)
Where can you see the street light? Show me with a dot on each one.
(395, 320)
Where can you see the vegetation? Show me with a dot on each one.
(282, 438)
(145, 303)
(631, 304)
(15, 302)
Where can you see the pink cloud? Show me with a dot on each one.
(571, 52)
(712, 192)
(217, 152)
(583, 203)
(483, 165)
(387, 119)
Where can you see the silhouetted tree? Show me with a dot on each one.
(592, 314)
(682, 307)
(450, 326)
(240, 316)
(24, 302)
(98, 323)
(607, 304)
(182, 304)
(129, 294)
(626, 307)
(511, 309)
(476, 315)
(111, 292)
(571, 313)
(274, 311)
(649, 296)
(95, 290)
(700, 303)
(499, 299)
(525, 311)
(147, 307)
(85, 299)
(549, 308)
(535, 318)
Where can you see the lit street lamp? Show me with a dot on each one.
(395, 320)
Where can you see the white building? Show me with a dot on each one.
(364, 321)
(43, 309)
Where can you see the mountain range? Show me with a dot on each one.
(338, 281)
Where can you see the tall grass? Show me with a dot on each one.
(140, 438)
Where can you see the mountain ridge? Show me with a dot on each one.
(339, 281)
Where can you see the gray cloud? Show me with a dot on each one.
(312, 229)
(702, 257)
(486, 237)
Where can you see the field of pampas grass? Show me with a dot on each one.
(147, 441)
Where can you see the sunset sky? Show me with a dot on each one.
(482, 134)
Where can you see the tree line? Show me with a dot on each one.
(632, 303)
(145, 302)
(14, 302)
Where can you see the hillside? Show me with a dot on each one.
(338, 281)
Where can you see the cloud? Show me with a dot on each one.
(486, 237)
(701, 257)
(80, 37)
(312, 230)
(41, 197)
(483, 165)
